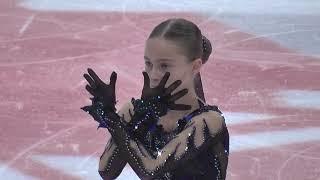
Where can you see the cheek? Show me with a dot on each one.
(186, 78)
(178, 74)
(174, 77)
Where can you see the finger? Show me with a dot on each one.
(90, 80)
(164, 79)
(178, 95)
(90, 90)
(94, 76)
(146, 80)
(113, 79)
(172, 87)
(180, 107)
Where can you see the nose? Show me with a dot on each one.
(155, 76)
(154, 82)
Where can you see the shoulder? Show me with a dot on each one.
(125, 110)
(212, 119)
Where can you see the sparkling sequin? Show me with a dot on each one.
(156, 138)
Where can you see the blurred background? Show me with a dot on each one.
(263, 74)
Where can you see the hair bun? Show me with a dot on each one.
(207, 49)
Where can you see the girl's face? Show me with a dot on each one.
(163, 56)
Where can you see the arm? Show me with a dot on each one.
(204, 130)
(197, 136)
(111, 162)
(109, 119)
(221, 150)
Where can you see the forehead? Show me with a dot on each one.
(158, 49)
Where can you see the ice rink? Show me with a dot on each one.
(264, 74)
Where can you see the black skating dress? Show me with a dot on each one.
(194, 150)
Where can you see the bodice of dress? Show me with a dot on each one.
(207, 165)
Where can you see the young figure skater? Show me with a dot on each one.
(170, 132)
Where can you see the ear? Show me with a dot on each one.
(196, 65)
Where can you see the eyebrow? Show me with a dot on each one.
(161, 59)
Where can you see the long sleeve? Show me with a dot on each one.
(111, 162)
(201, 132)
(221, 152)
(204, 130)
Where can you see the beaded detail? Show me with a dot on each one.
(179, 146)
(204, 44)
(115, 153)
(157, 138)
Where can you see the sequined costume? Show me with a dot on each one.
(196, 149)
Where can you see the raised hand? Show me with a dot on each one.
(103, 101)
(100, 90)
(154, 103)
(164, 94)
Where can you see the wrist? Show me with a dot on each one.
(153, 106)
(144, 119)
(107, 107)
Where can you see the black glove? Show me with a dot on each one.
(103, 100)
(146, 112)
(154, 103)
(163, 95)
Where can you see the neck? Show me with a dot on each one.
(190, 98)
